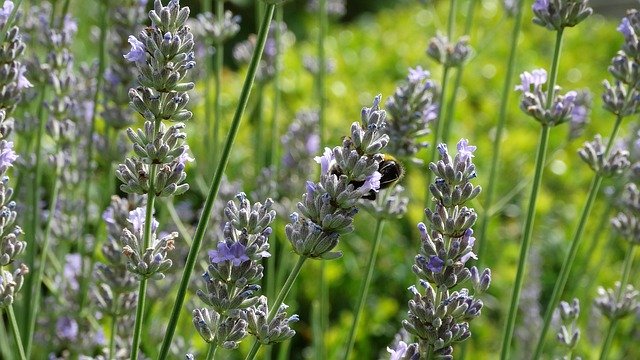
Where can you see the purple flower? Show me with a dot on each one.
(442, 149)
(7, 155)
(418, 74)
(184, 157)
(23, 82)
(435, 264)
(540, 5)
(470, 255)
(72, 268)
(313, 143)
(398, 352)
(5, 12)
(422, 228)
(311, 188)
(626, 29)
(67, 328)
(371, 182)
(465, 150)
(137, 218)
(536, 78)
(235, 253)
(70, 26)
(137, 52)
(326, 160)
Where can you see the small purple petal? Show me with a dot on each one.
(325, 160)
(372, 182)
(137, 52)
(435, 264)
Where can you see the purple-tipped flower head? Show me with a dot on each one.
(558, 14)
(236, 253)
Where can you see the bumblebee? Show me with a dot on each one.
(391, 171)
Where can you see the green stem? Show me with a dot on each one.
(502, 116)
(39, 273)
(457, 82)
(273, 308)
(528, 227)
(526, 243)
(364, 287)
(5, 348)
(215, 185)
(218, 63)
(32, 228)
(13, 325)
(323, 25)
(114, 327)
(437, 133)
(137, 328)
(575, 244)
(84, 278)
(628, 261)
(271, 159)
(211, 353)
(451, 20)
(146, 242)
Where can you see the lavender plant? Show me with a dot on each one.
(12, 275)
(410, 109)
(605, 160)
(569, 333)
(115, 290)
(617, 303)
(438, 316)
(327, 210)
(550, 109)
(217, 178)
(232, 282)
(163, 56)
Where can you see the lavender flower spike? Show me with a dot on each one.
(437, 316)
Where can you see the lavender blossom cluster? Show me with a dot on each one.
(437, 316)
(348, 173)
(411, 109)
(163, 56)
(232, 280)
(12, 83)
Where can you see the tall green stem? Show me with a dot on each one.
(39, 273)
(272, 158)
(628, 261)
(114, 326)
(528, 227)
(219, 61)
(5, 348)
(146, 241)
(364, 287)
(87, 181)
(575, 244)
(13, 325)
(437, 134)
(458, 78)
(215, 184)
(273, 308)
(33, 225)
